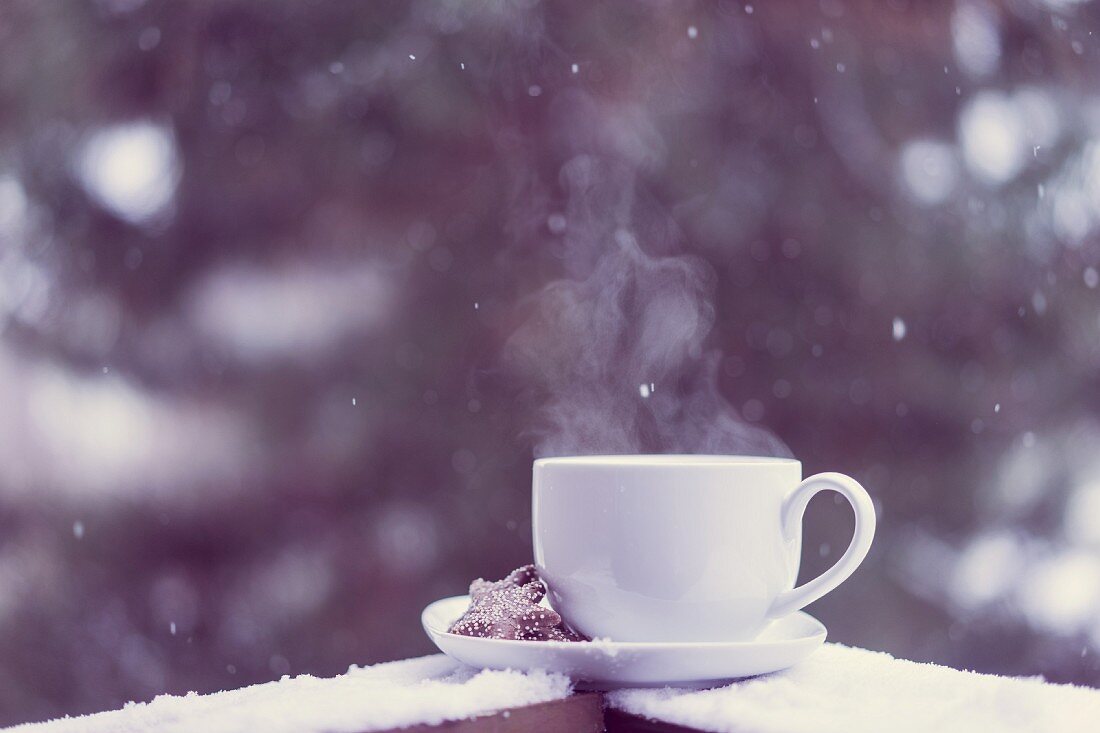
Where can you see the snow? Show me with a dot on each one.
(86, 436)
(850, 690)
(929, 170)
(1081, 517)
(899, 329)
(290, 311)
(1059, 593)
(426, 690)
(838, 689)
(985, 570)
(132, 168)
(992, 137)
(976, 38)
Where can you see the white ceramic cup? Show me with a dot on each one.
(682, 548)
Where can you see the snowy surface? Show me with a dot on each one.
(423, 690)
(853, 690)
(836, 689)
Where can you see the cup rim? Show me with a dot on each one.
(677, 460)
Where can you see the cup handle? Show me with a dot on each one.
(793, 508)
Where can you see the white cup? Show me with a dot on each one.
(682, 548)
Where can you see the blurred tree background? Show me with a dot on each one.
(264, 268)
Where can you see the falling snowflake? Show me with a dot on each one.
(899, 329)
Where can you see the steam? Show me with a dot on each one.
(615, 351)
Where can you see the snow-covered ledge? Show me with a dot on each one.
(423, 691)
(844, 690)
(838, 689)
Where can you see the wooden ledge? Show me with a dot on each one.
(580, 713)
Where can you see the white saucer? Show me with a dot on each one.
(609, 664)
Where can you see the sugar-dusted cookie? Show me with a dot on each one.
(509, 609)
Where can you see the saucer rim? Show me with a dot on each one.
(820, 633)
